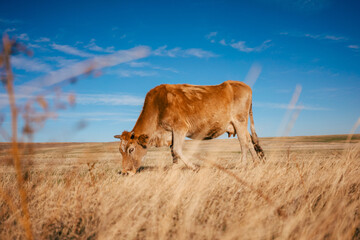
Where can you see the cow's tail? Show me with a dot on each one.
(254, 137)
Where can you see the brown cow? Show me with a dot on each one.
(173, 112)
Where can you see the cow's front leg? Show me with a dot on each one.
(174, 155)
(176, 149)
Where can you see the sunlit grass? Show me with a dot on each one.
(311, 196)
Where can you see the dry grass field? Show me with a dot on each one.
(309, 188)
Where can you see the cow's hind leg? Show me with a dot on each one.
(243, 137)
(252, 149)
(176, 150)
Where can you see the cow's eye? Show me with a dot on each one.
(131, 150)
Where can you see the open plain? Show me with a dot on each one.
(308, 188)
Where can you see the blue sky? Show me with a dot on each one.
(310, 47)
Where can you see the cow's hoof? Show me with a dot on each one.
(123, 173)
(140, 169)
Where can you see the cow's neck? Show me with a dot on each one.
(146, 124)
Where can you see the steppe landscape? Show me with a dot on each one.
(75, 74)
(308, 188)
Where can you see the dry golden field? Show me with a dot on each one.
(309, 188)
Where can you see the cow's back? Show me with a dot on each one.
(203, 111)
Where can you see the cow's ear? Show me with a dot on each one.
(132, 135)
(125, 136)
(142, 140)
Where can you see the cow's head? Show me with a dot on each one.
(133, 150)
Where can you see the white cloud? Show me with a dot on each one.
(148, 65)
(326, 37)
(87, 99)
(197, 52)
(178, 52)
(211, 35)
(43, 39)
(243, 48)
(315, 36)
(83, 67)
(98, 116)
(23, 37)
(138, 64)
(222, 42)
(10, 30)
(109, 99)
(121, 56)
(20, 97)
(335, 38)
(92, 46)
(75, 70)
(287, 107)
(70, 50)
(308, 35)
(241, 45)
(29, 64)
(130, 73)
(162, 51)
(354, 46)
(30, 45)
(165, 69)
(61, 61)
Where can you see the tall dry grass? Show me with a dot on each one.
(32, 120)
(306, 197)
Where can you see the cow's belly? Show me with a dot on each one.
(208, 132)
